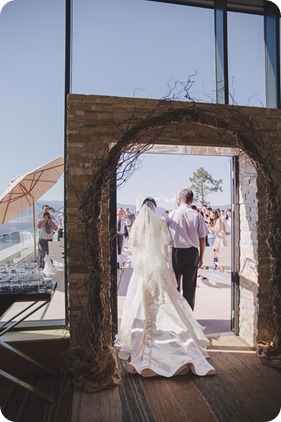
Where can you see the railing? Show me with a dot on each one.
(15, 246)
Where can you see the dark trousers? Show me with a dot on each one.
(119, 238)
(60, 234)
(185, 264)
(43, 250)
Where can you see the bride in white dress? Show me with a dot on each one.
(158, 334)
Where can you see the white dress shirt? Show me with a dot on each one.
(186, 226)
(124, 222)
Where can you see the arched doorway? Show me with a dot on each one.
(205, 126)
(215, 297)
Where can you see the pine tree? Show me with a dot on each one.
(202, 185)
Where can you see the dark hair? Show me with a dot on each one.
(228, 210)
(149, 199)
(47, 213)
(186, 195)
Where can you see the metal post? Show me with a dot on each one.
(272, 54)
(113, 257)
(68, 49)
(34, 230)
(221, 57)
(234, 247)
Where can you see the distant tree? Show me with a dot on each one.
(203, 184)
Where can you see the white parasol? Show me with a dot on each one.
(25, 190)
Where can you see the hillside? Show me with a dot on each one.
(24, 221)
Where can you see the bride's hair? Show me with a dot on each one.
(149, 199)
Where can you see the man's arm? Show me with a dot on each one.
(202, 244)
(41, 223)
(53, 225)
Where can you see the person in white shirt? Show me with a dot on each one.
(46, 231)
(227, 227)
(60, 224)
(188, 231)
(121, 222)
(45, 208)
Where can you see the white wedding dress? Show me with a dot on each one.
(158, 334)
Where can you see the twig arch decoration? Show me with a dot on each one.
(91, 358)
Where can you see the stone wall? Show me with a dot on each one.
(248, 262)
(90, 133)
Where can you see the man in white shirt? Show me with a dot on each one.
(60, 224)
(121, 222)
(188, 231)
(45, 208)
(46, 230)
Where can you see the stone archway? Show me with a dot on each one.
(94, 127)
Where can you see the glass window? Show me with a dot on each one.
(32, 46)
(246, 59)
(141, 48)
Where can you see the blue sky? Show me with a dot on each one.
(163, 182)
(130, 48)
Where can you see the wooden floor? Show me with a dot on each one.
(242, 390)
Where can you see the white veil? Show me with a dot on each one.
(149, 240)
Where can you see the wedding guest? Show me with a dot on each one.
(130, 220)
(206, 215)
(121, 222)
(211, 227)
(227, 227)
(222, 215)
(165, 214)
(216, 228)
(60, 223)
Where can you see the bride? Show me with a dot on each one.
(158, 334)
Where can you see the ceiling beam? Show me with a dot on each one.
(243, 6)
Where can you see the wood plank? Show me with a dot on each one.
(104, 406)
(176, 399)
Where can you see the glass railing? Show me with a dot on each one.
(16, 246)
(20, 274)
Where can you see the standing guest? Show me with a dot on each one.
(203, 210)
(222, 215)
(45, 208)
(211, 227)
(60, 221)
(194, 207)
(121, 222)
(165, 214)
(206, 214)
(227, 227)
(46, 231)
(216, 227)
(158, 333)
(188, 231)
(130, 220)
